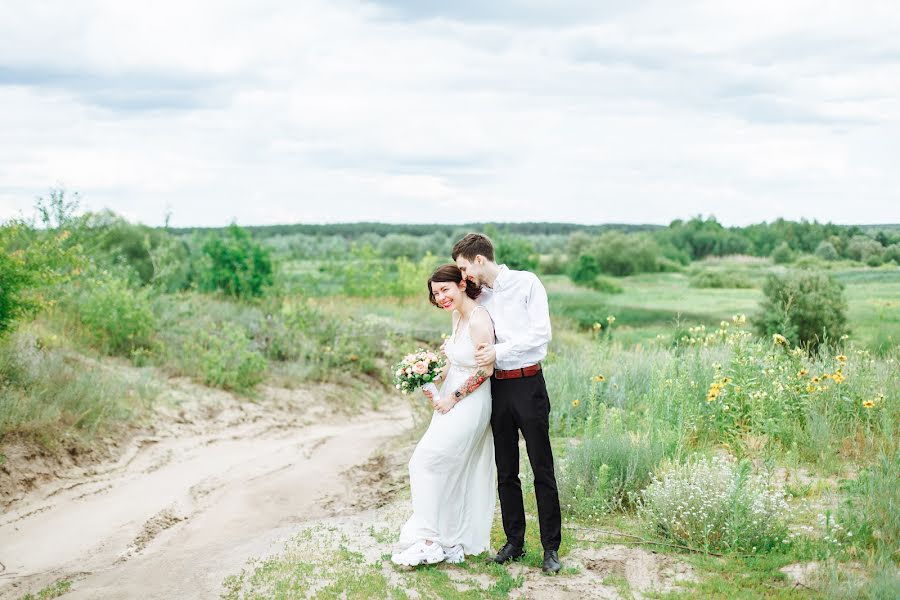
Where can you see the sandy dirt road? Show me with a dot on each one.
(187, 506)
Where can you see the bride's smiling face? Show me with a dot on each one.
(448, 295)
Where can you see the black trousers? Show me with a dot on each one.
(522, 404)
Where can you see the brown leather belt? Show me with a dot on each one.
(529, 371)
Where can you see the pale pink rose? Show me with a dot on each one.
(420, 367)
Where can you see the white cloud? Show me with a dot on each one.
(399, 111)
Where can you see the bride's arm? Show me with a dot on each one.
(482, 331)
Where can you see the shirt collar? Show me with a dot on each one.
(499, 279)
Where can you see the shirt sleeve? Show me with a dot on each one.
(538, 331)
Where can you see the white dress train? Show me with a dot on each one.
(451, 472)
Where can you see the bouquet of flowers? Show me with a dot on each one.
(419, 369)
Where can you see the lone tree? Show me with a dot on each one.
(806, 306)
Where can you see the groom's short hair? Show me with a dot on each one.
(472, 245)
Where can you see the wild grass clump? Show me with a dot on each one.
(871, 513)
(720, 279)
(714, 504)
(606, 471)
(49, 394)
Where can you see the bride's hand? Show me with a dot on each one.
(430, 397)
(444, 405)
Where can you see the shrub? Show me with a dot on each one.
(515, 252)
(222, 355)
(807, 307)
(606, 471)
(620, 254)
(862, 248)
(719, 279)
(826, 251)
(782, 254)
(892, 253)
(585, 269)
(115, 319)
(31, 263)
(235, 264)
(15, 279)
(605, 285)
(714, 504)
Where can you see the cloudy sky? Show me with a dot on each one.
(586, 111)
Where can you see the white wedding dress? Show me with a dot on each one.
(451, 472)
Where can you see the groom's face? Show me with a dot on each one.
(473, 270)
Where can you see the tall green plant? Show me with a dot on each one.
(235, 264)
(807, 307)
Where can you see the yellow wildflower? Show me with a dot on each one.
(726, 380)
(810, 388)
(575, 403)
(597, 326)
(802, 372)
(869, 403)
(610, 319)
(779, 339)
(815, 380)
(840, 358)
(738, 389)
(598, 378)
(838, 378)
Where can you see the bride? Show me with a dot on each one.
(451, 472)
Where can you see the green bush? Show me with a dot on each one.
(806, 306)
(32, 262)
(892, 253)
(114, 318)
(606, 471)
(826, 251)
(712, 504)
(585, 269)
(782, 254)
(222, 355)
(605, 285)
(235, 264)
(863, 248)
(514, 251)
(15, 279)
(708, 278)
(622, 254)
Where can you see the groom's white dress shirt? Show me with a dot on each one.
(518, 305)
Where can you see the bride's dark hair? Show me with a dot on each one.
(450, 273)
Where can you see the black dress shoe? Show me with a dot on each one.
(551, 562)
(507, 553)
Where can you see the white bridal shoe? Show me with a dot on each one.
(454, 554)
(420, 553)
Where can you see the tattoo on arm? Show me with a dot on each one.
(472, 383)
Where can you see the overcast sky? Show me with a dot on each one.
(472, 110)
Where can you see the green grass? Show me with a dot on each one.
(651, 304)
(54, 590)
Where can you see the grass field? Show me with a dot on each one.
(652, 304)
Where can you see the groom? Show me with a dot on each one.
(517, 302)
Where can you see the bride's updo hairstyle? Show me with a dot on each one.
(450, 273)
